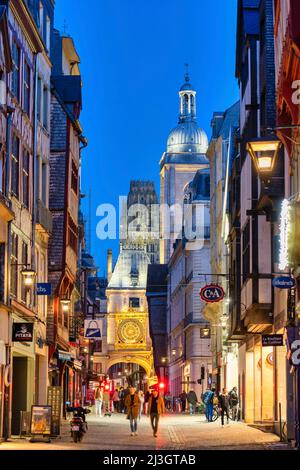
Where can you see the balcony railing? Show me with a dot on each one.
(44, 216)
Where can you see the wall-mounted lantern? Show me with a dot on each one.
(264, 152)
(29, 276)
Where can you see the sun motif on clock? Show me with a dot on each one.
(130, 332)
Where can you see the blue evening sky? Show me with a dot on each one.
(132, 64)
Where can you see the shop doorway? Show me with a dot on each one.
(19, 391)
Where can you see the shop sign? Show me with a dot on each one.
(293, 345)
(43, 288)
(22, 332)
(289, 254)
(77, 364)
(54, 399)
(272, 340)
(284, 282)
(93, 329)
(212, 293)
(2, 353)
(65, 355)
(41, 420)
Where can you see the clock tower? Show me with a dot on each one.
(128, 334)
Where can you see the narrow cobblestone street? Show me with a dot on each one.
(176, 433)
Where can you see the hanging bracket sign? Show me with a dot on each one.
(272, 340)
(284, 282)
(212, 293)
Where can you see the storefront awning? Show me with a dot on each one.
(77, 364)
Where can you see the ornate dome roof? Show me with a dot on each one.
(187, 137)
(187, 86)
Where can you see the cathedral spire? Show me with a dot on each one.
(187, 97)
(187, 75)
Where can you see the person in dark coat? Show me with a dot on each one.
(182, 397)
(224, 405)
(234, 403)
(156, 408)
(192, 401)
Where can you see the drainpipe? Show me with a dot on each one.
(7, 390)
(34, 171)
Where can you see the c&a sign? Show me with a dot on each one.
(212, 293)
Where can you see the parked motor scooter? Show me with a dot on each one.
(78, 423)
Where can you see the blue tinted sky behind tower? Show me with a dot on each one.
(132, 64)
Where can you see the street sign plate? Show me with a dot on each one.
(43, 288)
(272, 340)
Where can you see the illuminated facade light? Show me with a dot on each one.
(204, 333)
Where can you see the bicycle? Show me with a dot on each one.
(217, 414)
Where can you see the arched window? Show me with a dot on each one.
(193, 108)
(186, 104)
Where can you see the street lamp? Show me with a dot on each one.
(65, 304)
(28, 276)
(264, 152)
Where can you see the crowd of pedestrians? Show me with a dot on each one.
(134, 403)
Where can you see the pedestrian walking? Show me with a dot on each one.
(192, 401)
(182, 397)
(106, 403)
(142, 401)
(98, 401)
(208, 400)
(168, 401)
(147, 396)
(132, 404)
(234, 403)
(116, 400)
(156, 408)
(121, 400)
(224, 405)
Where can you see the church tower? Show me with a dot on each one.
(186, 154)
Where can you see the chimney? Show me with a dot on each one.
(109, 264)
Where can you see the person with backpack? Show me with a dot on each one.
(208, 400)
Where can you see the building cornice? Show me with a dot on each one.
(28, 27)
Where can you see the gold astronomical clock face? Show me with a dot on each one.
(130, 332)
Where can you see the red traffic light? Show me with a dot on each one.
(107, 387)
(161, 385)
